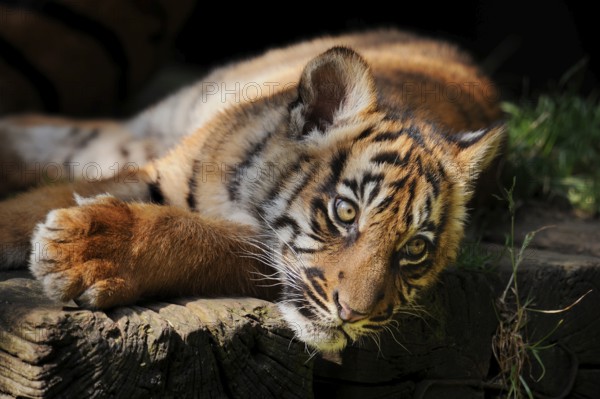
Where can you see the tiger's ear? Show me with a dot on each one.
(334, 86)
(475, 151)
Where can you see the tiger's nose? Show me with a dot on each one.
(346, 313)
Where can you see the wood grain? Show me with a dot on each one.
(239, 347)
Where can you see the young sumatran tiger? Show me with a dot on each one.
(343, 177)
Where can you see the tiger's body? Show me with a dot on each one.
(342, 177)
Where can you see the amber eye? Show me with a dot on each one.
(345, 210)
(415, 247)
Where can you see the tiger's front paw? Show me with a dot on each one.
(84, 253)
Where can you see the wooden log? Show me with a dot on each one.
(189, 348)
(240, 347)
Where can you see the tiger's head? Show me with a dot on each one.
(373, 208)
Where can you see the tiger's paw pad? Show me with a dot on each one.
(80, 253)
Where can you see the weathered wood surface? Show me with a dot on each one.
(240, 348)
(189, 348)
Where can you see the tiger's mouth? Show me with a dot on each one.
(331, 339)
(339, 332)
(326, 337)
(345, 333)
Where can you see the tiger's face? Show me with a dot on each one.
(379, 211)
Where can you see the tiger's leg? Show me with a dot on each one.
(107, 252)
(38, 149)
(20, 214)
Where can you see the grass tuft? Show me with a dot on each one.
(510, 345)
(554, 149)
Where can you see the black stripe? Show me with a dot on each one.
(307, 311)
(396, 186)
(318, 206)
(390, 158)
(284, 176)
(373, 327)
(286, 221)
(408, 217)
(352, 185)
(302, 250)
(429, 226)
(107, 39)
(401, 297)
(399, 184)
(315, 226)
(312, 279)
(316, 238)
(365, 134)
(374, 192)
(384, 203)
(411, 188)
(433, 180)
(389, 311)
(44, 86)
(316, 300)
(156, 195)
(233, 187)
(193, 185)
(370, 178)
(305, 180)
(388, 136)
(302, 304)
(441, 226)
(416, 271)
(419, 165)
(428, 207)
(315, 272)
(336, 166)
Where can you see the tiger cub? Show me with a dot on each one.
(331, 176)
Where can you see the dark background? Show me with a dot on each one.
(527, 46)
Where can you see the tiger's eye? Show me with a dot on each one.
(415, 247)
(345, 210)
